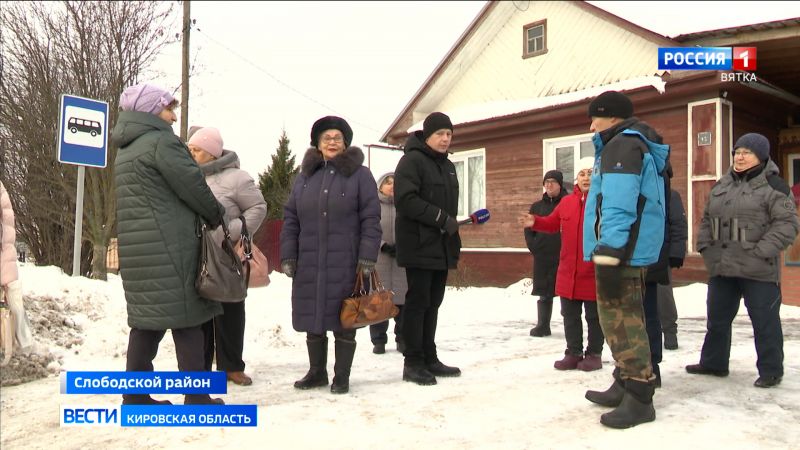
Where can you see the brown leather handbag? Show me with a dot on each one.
(364, 308)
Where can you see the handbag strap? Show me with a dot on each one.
(376, 281)
(358, 288)
(247, 248)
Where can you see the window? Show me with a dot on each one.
(534, 39)
(564, 153)
(471, 173)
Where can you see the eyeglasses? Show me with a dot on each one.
(550, 182)
(742, 152)
(328, 139)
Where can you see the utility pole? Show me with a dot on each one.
(185, 72)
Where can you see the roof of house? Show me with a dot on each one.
(476, 24)
(773, 38)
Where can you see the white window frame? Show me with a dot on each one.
(549, 147)
(464, 189)
(790, 166)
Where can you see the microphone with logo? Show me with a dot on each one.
(478, 217)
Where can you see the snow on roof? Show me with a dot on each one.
(492, 110)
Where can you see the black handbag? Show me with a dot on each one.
(219, 271)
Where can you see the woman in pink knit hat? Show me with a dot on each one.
(243, 202)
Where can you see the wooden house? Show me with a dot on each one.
(517, 86)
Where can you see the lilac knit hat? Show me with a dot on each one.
(145, 98)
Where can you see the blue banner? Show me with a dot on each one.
(189, 415)
(144, 383)
(695, 58)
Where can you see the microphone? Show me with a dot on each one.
(478, 217)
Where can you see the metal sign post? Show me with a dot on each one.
(83, 141)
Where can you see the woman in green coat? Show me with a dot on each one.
(161, 194)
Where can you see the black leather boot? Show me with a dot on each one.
(439, 369)
(201, 399)
(636, 406)
(545, 310)
(612, 396)
(317, 375)
(345, 349)
(657, 373)
(142, 399)
(419, 375)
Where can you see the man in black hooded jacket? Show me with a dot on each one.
(428, 244)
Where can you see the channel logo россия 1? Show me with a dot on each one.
(711, 58)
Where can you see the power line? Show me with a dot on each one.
(279, 81)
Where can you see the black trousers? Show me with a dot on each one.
(652, 322)
(421, 314)
(763, 302)
(573, 327)
(667, 311)
(143, 348)
(224, 337)
(377, 332)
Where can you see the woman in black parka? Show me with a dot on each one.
(331, 231)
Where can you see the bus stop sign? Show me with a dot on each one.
(83, 131)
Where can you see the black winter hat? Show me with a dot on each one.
(434, 122)
(331, 123)
(554, 175)
(756, 143)
(611, 104)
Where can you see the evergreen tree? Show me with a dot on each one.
(276, 182)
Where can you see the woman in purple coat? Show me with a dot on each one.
(331, 231)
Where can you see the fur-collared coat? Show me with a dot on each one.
(8, 235)
(331, 220)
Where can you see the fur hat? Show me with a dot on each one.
(554, 175)
(331, 123)
(756, 143)
(611, 104)
(209, 139)
(145, 98)
(434, 122)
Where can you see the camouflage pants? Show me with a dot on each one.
(620, 291)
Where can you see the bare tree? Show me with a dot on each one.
(90, 49)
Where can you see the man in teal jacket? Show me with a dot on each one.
(626, 196)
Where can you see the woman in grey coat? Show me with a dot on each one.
(237, 192)
(331, 231)
(393, 276)
(750, 218)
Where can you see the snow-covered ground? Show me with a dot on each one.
(509, 395)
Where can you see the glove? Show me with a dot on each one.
(450, 226)
(675, 263)
(389, 249)
(289, 267)
(365, 267)
(607, 256)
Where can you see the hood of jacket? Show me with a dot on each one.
(634, 126)
(767, 169)
(346, 162)
(381, 196)
(227, 160)
(416, 143)
(133, 124)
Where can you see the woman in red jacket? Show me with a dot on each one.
(575, 279)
